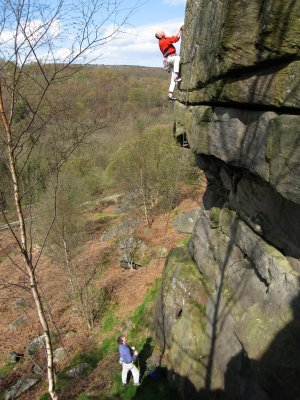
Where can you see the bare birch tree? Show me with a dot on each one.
(40, 43)
(64, 245)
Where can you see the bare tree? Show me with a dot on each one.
(40, 43)
(65, 242)
(129, 247)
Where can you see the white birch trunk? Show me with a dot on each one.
(27, 257)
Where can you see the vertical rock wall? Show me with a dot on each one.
(228, 310)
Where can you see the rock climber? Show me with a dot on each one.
(127, 357)
(171, 58)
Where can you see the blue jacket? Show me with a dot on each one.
(126, 354)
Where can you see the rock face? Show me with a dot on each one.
(21, 386)
(35, 344)
(77, 371)
(241, 51)
(228, 312)
(185, 223)
(59, 355)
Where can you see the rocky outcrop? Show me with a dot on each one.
(266, 143)
(22, 385)
(241, 51)
(77, 371)
(180, 309)
(185, 223)
(233, 333)
(59, 354)
(35, 344)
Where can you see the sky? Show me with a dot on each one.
(138, 46)
(53, 33)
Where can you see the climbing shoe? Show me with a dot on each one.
(177, 80)
(172, 98)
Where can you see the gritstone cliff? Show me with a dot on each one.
(228, 312)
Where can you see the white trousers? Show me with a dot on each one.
(135, 372)
(174, 61)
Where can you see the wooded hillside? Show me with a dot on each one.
(106, 206)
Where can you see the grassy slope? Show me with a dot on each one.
(102, 364)
(105, 358)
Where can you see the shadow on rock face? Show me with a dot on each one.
(275, 376)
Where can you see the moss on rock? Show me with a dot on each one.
(214, 217)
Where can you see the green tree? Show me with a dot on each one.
(147, 166)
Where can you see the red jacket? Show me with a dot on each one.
(166, 46)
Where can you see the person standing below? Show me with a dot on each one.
(127, 357)
(169, 52)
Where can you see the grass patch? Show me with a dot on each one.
(156, 389)
(110, 322)
(140, 318)
(184, 242)
(3, 258)
(6, 370)
(108, 346)
(91, 358)
(103, 217)
(151, 388)
(45, 396)
(63, 382)
(83, 396)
